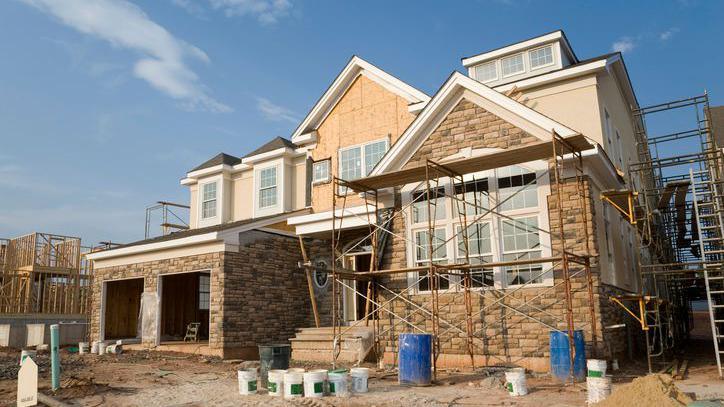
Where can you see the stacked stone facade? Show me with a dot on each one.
(258, 293)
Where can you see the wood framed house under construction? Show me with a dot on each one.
(483, 214)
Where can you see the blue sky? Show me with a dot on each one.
(104, 105)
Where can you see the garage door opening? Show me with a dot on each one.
(122, 305)
(185, 303)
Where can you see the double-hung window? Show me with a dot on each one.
(480, 251)
(521, 241)
(204, 291)
(208, 200)
(476, 197)
(268, 187)
(420, 206)
(358, 161)
(438, 245)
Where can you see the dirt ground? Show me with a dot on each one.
(148, 378)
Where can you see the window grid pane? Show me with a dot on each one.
(477, 198)
(268, 177)
(267, 197)
(521, 241)
(373, 154)
(419, 206)
(486, 72)
(204, 291)
(510, 181)
(541, 56)
(512, 65)
(208, 201)
(439, 256)
(320, 171)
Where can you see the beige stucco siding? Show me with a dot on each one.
(612, 100)
(365, 113)
(243, 187)
(194, 204)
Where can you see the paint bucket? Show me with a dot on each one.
(598, 388)
(94, 347)
(596, 367)
(415, 360)
(337, 381)
(25, 354)
(114, 349)
(360, 377)
(293, 384)
(275, 382)
(101, 348)
(614, 365)
(82, 348)
(247, 381)
(314, 383)
(515, 382)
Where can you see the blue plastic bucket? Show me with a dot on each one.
(415, 359)
(561, 359)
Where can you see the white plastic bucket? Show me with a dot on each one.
(360, 376)
(596, 367)
(338, 384)
(293, 384)
(247, 381)
(515, 382)
(275, 382)
(598, 388)
(94, 347)
(82, 348)
(314, 383)
(25, 354)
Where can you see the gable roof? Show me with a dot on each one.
(557, 35)
(447, 97)
(274, 144)
(219, 159)
(355, 67)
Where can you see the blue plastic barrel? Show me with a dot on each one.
(415, 359)
(561, 358)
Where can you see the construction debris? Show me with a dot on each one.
(655, 390)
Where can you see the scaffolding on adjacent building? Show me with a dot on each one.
(170, 221)
(43, 273)
(570, 260)
(675, 204)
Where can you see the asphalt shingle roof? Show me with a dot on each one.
(221, 158)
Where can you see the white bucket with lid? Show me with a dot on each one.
(360, 377)
(515, 382)
(247, 381)
(94, 347)
(275, 382)
(598, 388)
(596, 367)
(101, 348)
(27, 354)
(82, 348)
(293, 384)
(314, 382)
(338, 384)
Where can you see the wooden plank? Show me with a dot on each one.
(683, 368)
(534, 151)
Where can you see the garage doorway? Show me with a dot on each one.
(185, 299)
(122, 306)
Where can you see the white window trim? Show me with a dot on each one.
(279, 207)
(450, 222)
(522, 57)
(202, 201)
(553, 57)
(220, 194)
(329, 171)
(361, 146)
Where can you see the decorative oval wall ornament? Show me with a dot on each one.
(320, 274)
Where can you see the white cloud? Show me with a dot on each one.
(191, 6)
(275, 112)
(624, 44)
(266, 11)
(666, 35)
(163, 62)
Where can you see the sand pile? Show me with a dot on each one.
(655, 390)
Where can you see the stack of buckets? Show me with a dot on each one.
(598, 384)
(294, 382)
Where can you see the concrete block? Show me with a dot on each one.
(34, 334)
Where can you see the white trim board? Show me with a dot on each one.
(355, 67)
(457, 87)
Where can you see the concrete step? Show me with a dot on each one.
(323, 356)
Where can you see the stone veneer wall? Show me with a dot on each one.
(258, 294)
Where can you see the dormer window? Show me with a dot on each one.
(486, 72)
(208, 200)
(512, 65)
(541, 57)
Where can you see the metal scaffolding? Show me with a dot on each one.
(674, 203)
(569, 260)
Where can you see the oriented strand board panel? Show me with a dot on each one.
(123, 302)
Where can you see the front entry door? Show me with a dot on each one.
(354, 298)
